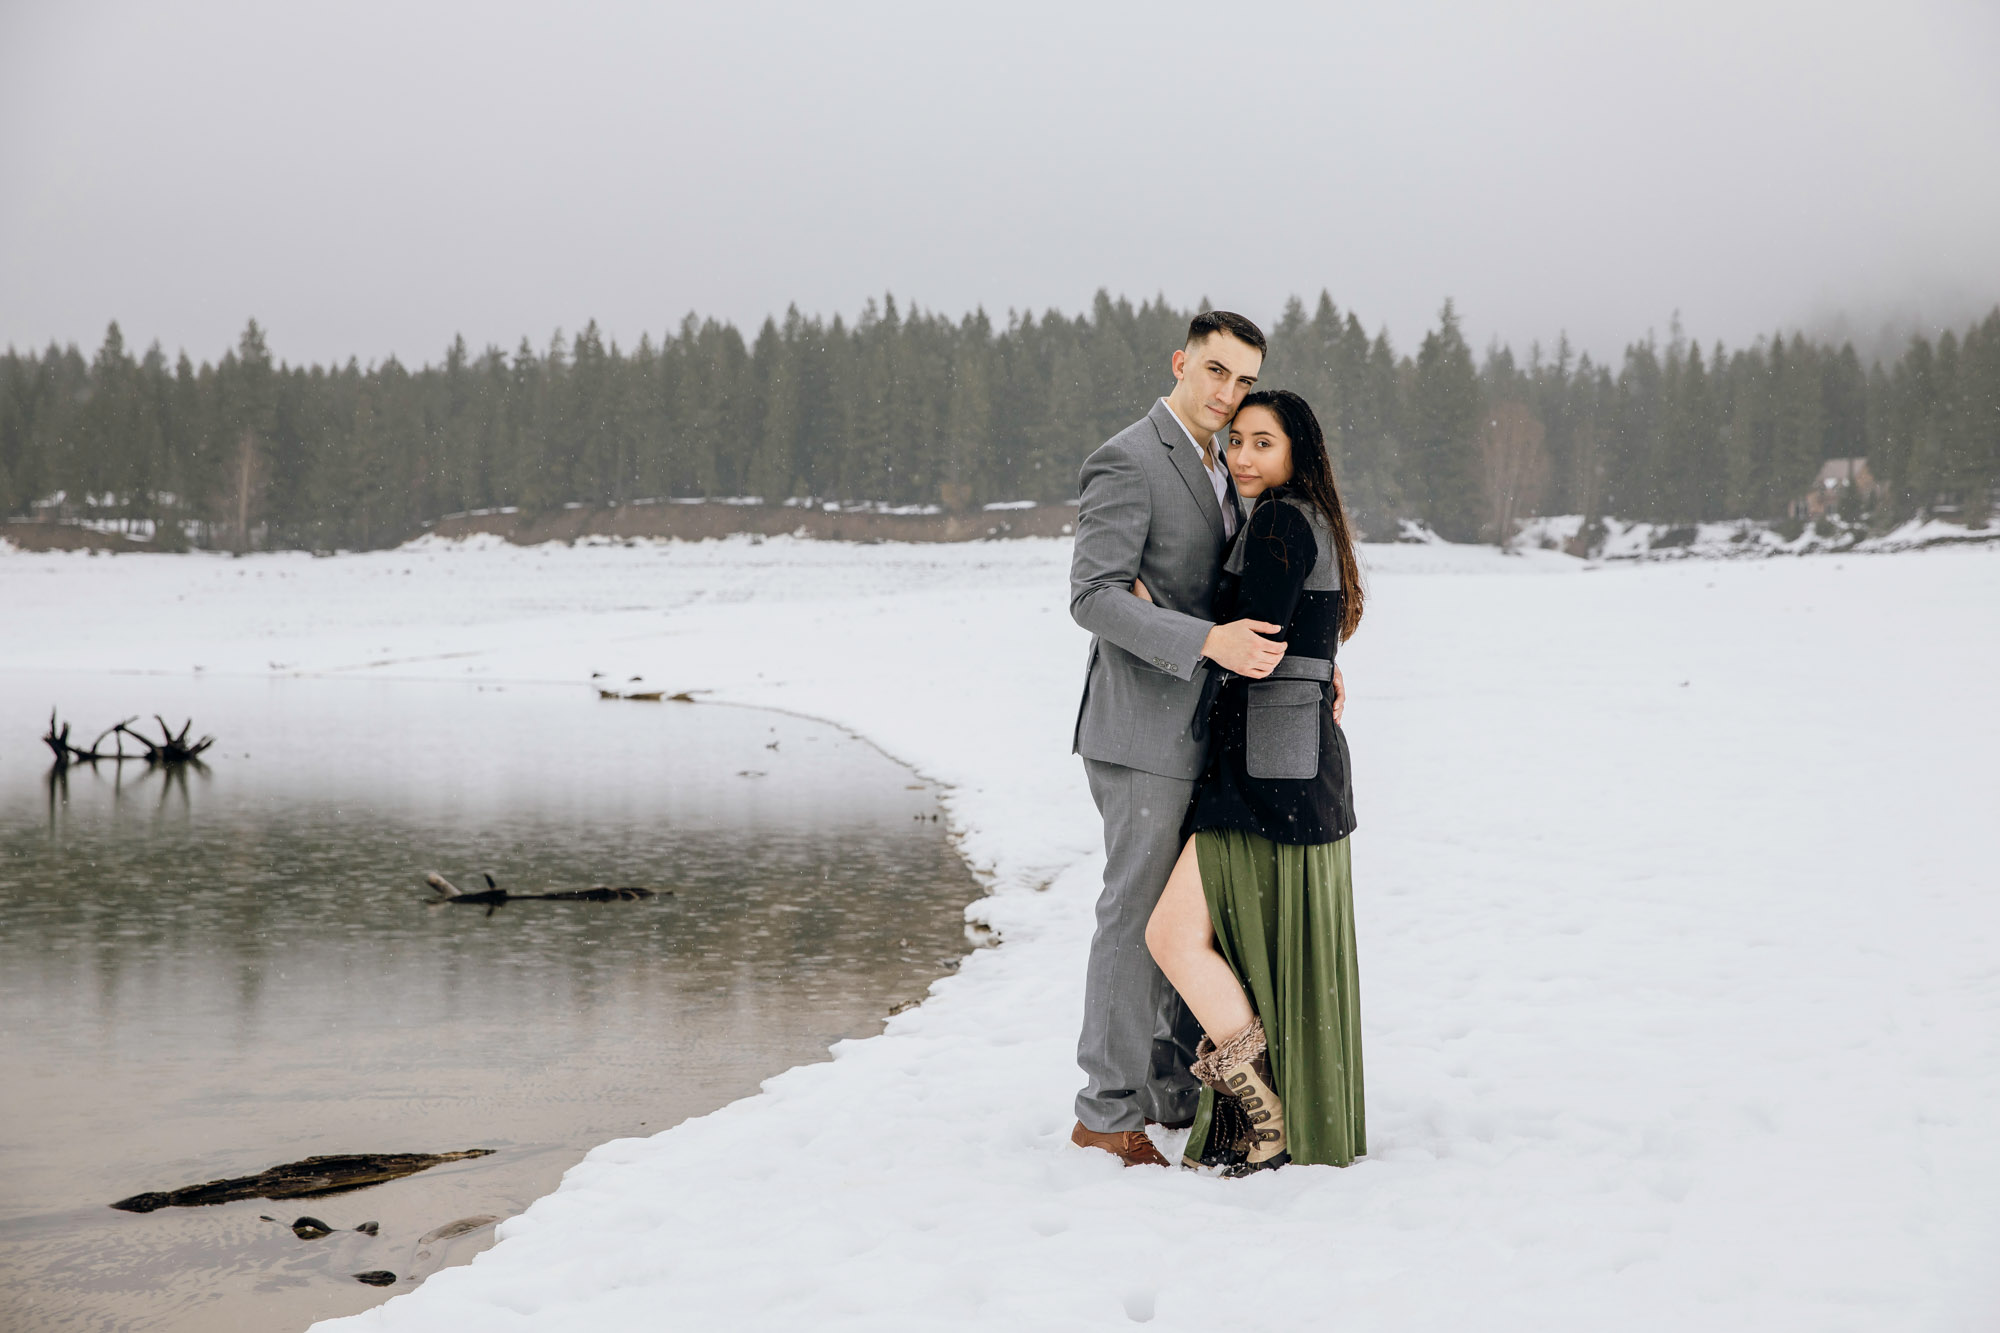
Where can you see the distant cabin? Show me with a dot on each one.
(1837, 476)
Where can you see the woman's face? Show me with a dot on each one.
(1260, 453)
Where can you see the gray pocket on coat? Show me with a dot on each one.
(1281, 732)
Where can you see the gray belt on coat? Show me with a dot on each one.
(1302, 668)
(1288, 668)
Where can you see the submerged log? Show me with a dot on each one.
(310, 1178)
(493, 895)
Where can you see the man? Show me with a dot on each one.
(1157, 505)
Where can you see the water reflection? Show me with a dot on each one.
(208, 971)
(171, 780)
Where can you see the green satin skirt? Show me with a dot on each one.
(1284, 919)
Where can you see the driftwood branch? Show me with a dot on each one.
(172, 748)
(116, 733)
(307, 1179)
(493, 896)
(58, 741)
(67, 752)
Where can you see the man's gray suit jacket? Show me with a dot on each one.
(1148, 511)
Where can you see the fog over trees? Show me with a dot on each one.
(906, 407)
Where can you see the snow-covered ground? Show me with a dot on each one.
(1737, 538)
(1680, 946)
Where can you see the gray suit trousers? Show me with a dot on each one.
(1138, 1036)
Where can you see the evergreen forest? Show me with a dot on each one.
(904, 407)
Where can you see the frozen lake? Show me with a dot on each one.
(211, 972)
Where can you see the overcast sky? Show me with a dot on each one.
(373, 178)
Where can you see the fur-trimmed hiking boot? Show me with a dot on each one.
(1130, 1146)
(1228, 1133)
(1240, 1069)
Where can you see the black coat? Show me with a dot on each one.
(1282, 569)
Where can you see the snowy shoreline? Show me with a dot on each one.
(1617, 540)
(1645, 1048)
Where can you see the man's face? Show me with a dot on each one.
(1214, 375)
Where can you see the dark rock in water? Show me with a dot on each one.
(311, 1228)
(306, 1179)
(376, 1277)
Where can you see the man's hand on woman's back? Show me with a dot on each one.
(1239, 646)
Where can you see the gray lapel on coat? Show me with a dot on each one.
(1187, 459)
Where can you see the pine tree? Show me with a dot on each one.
(1690, 471)
(1445, 415)
(1798, 424)
(1844, 404)
(968, 429)
(775, 408)
(1631, 446)
(1981, 406)
(1369, 412)
(585, 421)
(1595, 395)
(1952, 455)
(238, 449)
(107, 431)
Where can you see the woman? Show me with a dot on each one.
(1256, 926)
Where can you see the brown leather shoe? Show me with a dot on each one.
(1130, 1146)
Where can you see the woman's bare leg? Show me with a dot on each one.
(1183, 944)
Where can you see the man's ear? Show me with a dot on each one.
(1180, 362)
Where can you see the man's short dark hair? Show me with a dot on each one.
(1229, 322)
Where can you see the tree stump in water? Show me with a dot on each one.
(171, 749)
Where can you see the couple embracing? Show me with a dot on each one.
(1215, 568)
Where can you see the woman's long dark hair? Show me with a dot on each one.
(1312, 479)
